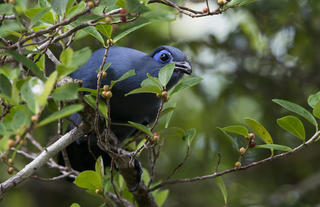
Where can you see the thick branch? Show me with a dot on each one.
(44, 157)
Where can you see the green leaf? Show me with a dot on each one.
(99, 167)
(314, 99)
(145, 176)
(141, 127)
(121, 3)
(165, 74)
(29, 91)
(38, 16)
(229, 138)
(88, 179)
(48, 86)
(223, 189)
(275, 147)
(64, 70)
(80, 57)
(160, 15)
(66, 111)
(26, 62)
(20, 118)
(59, 6)
(237, 129)
(94, 33)
(134, 6)
(151, 81)
(172, 133)
(298, 110)
(237, 3)
(161, 197)
(186, 83)
(123, 77)
(75, 205)
(6, 9)
(66, 92)
(190, 135)
(66, 56)
(316, 110)
(47, 17)
(103, 109)
(128, 31)
(293, 125)
(41, 63)
(146, 89)
(105, 29)
(5, 86)
(259, 130)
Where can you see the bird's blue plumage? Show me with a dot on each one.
(140, 108)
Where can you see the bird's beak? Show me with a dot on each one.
(183, 67)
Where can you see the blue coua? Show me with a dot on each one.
(139, 108)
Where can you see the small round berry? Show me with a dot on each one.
(109, 42)
(221, 2)
(252, 143)
(10, 170)
(18, 137)
(4, 155)
(123, 19)
(205, 10)
(104, 74)
(10, 161)
(252, 135)
(108, 20)
(156, 137)
(237, 164)
(106, 87)
(90, 4)
(34, 118)
(242, 151)
(10, 143)
(108, 94)
(104, 94)
(98, 191)
(22, 142)
(164, 96)
(123, 11)
(158, 95)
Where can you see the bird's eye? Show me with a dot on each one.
(163, 56)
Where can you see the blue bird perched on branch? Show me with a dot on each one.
(140, 108)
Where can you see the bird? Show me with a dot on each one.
(140, 108)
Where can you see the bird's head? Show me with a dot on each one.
(164, 55)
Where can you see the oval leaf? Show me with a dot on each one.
(316, 110)
(223, 189)
(88, 179)
(259, 130)
(231, 140)
(237, 129)
(165, 74)
(293, 125)
(190, 135)
(274, 147)
(314, 99)
(66, 111)
(298, 110)
(186, 83)
(161, 197)
(141, 127)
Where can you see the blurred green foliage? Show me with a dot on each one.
(263, 51)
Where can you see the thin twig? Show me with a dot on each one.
(218, 174)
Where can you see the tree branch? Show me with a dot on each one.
(44, 157)
(218, 174)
